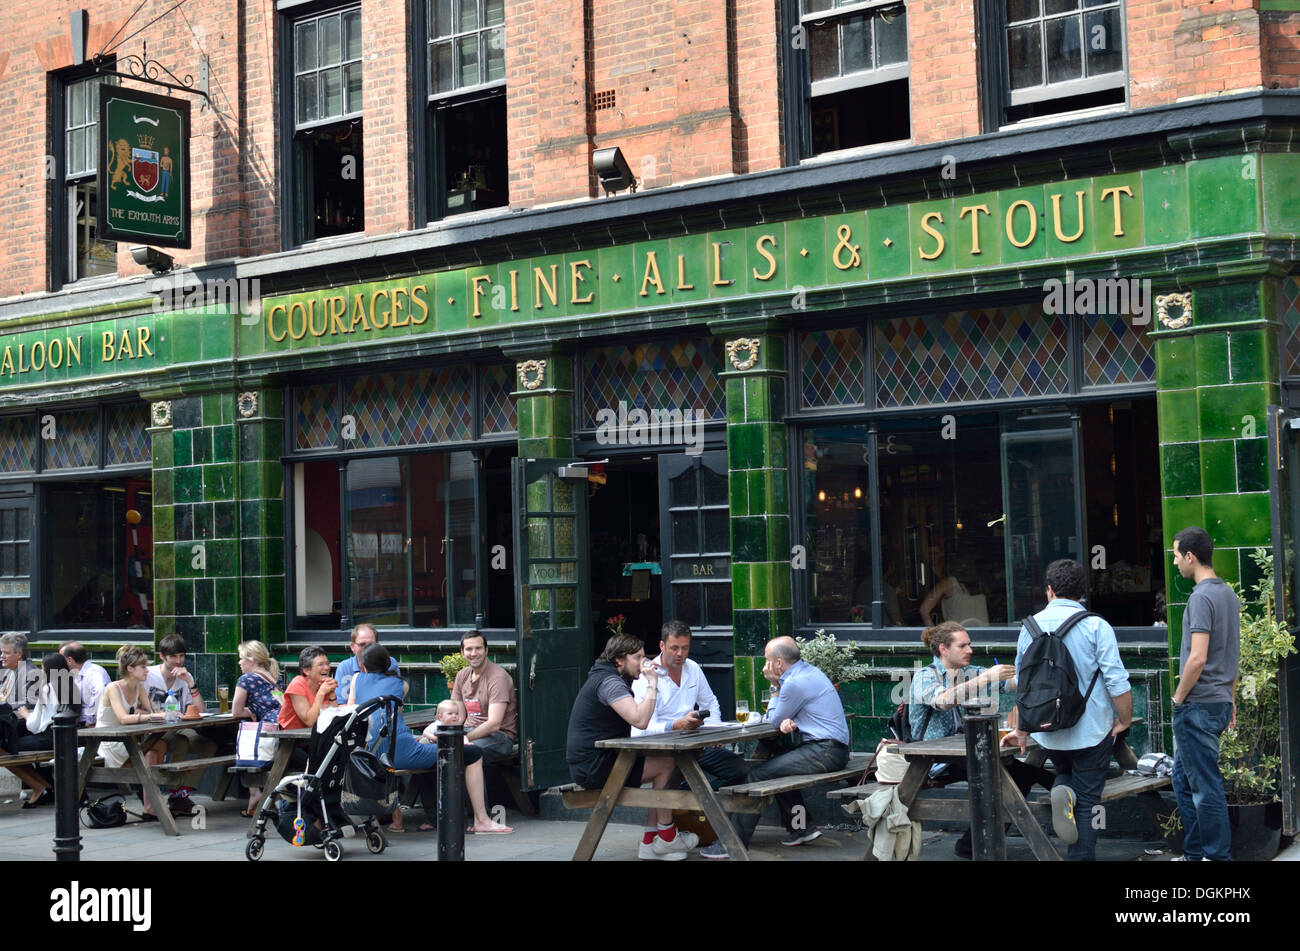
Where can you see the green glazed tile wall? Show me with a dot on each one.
(544, 415)
(219, 534)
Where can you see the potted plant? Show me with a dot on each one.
(452, 664)
(834, 661)
(1250, 755)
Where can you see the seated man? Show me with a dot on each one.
(934, 706)
(809, 703)
(170, 676)
(488, 693)
(605, 709)
(91, 679)
(363, 635)
(684, 691)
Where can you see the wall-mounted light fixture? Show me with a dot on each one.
(612, 169)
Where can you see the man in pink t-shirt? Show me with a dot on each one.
(488, 693)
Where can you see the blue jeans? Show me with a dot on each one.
(1198, 784)
(812, 756)
(1084, 771)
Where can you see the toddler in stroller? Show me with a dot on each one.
(345, 785)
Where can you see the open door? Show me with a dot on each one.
(1043, 505)
(552, 578)
(1284, 487)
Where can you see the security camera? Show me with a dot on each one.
(153, 259)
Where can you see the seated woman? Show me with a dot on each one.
(936, 695)
(257, 696)
(33, 734)
(309, 692)
(411, 754)
(949, 594)
(124, 702)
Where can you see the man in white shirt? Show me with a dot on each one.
(91, 679)
(167, 676)
(685, 698)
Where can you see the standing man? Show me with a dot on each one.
(809, 703)
(1081, 753)
(684, 691)
(363, 635)
(1205, 703)
(488, 692)
(91, 679)
(605, 709)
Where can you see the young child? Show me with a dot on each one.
(452, 713)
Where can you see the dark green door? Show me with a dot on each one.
(15, 564)
(552, 579)
(1284, 487)
(695, 540)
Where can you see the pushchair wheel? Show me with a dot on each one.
(376, 842)
(253, 850)
(333, 850)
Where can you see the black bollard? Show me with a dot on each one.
(67, 832)
(984, 783)
(451, 799)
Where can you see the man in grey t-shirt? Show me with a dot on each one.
(1205, 699)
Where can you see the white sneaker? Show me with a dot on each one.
(683, 842)
(649, 850)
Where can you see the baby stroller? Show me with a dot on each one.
(345, 785)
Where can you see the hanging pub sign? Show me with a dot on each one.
(144, 168)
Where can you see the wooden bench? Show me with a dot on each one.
(168, 773)
(27, 759)
(1118, 788)
(767, 788)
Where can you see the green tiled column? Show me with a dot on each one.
(544, 405)
(759, 500)
(219, 527)
(1217, 374)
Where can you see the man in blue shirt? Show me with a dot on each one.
(807, 702)
(363, 635)
(1081, 754)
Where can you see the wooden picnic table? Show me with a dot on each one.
(288, 739)
(684, 746)
(135, 737)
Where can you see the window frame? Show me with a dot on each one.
(61, 270)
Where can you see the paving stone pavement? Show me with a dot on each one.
(218, 834)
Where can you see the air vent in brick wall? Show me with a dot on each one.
(605, 99)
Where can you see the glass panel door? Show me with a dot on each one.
(1284, 487)
(15, 565)
(552, 577)
(1041, 505)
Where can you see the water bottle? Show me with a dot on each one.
(171, 707)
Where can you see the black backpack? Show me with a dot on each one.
(1047, 693)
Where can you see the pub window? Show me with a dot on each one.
(86, 254)
(465, 65)
(1061, 55)
(857, 69)
(328, 154)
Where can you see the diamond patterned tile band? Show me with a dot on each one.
(498, 411)
(126, 434)
(970, 355)
(1288, 305)
(74, 446)
(832, 367)
(315, 416)
(676, 374)
(411, 408)
(1115, 351)
(17, 443)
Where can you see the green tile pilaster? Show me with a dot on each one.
(755, 380)
(544, 404)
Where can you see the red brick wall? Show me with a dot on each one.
(386, 97)
(1180, 50)
(944, 70)
(1282, 50)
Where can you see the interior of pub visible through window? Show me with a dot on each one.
(969, 523)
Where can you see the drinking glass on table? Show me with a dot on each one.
(768, 696)
(742, 712)
(223, 698)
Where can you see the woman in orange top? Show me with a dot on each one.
(309, 692)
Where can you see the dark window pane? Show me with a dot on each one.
(468, 15)
(377, 491)
(468, 53)
(1025, 54)
(837, 506)
(496, 55)
(717, 602)
(352, 85)
(22, 614)
(1064, 52)
(331, 93)
(814, 6)
(685, 532)
(1104, 42)
(6, 524)
(686, 598)
(1052, 7)
(682, 489)
(352, 35)
(8, 561)
(1021, 10)
(24, 567)
(891, 36)
(714, 485)
(855, 41)
(494, 12)
(331, 41)
(304, 46)
(824, 45)
(440, 18)
(444, 69)
(308, 110)
(717, 532)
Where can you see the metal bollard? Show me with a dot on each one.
(451, 798)
(984, 783)
(67, 831)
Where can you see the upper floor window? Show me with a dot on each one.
(466, 73)
(1061, 55)
(328, 197)
(857, 73)
(87, 255)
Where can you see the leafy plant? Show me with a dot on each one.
(452, 664)
(1250, 754)
(834, 661)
